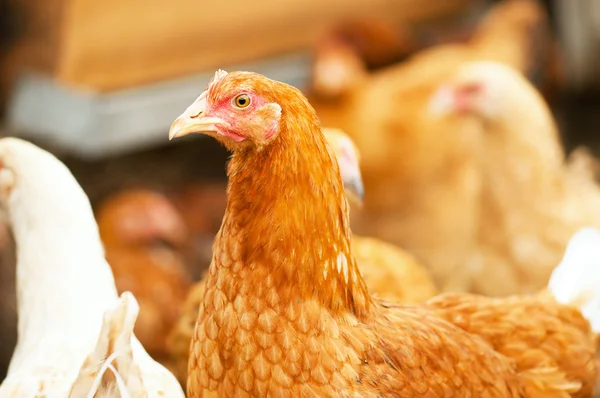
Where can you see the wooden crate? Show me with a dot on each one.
(106, 45)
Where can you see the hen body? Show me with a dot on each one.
(286, 312)
(453, 345)
(388, 272)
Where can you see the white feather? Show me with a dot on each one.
(576, 280)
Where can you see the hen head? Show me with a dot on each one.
(349, 161)
(140, 217)
(282, 173)
(488, 90)
(239, 109)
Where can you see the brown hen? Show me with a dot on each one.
(201, 206)
(286, 312)
(388, 271)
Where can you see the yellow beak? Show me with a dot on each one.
(193, 121)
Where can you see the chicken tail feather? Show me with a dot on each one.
(112, 352)
(576, 280)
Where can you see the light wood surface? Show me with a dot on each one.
(106, 45)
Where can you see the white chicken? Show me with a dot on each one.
(64, 284)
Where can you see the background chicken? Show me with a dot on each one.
(292, 316)
(532, 202)
(139, 217)
(423, 183)
(348, 51)
(516, 32)
(64, 284)
(388, 271)
(146, 243)
(201, 205)
(583, 163)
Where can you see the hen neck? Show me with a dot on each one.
(287, 219)
(528, 151)
(64, 284)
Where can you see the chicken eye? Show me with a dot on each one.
(242, 101)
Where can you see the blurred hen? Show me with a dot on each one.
(388, 271)
(424, 182)
(144, 237)
(531, 200)
(201, 205)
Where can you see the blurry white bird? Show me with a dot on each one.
(64, 284)
(571, 281)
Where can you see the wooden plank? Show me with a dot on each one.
(106, 45)
(94, 125)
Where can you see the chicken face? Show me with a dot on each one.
(232, 112)
(478, 89)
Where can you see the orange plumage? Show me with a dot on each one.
(388, 271)
(286, 312)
